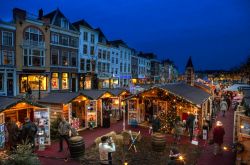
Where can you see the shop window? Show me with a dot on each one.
(65, 81)
(54, 81)
(87, 83)
(32, 81)
(1, 81)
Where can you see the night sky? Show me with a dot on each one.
(216, 33)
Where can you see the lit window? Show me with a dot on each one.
(65, 81)
(32, 81)
(8, 57)
(54, 81)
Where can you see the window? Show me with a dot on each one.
(73, 42)
(129, 68)
(116, 60)
(1, 82)
(54, 38)
(33, 57)
(8, 57)
(82, 64)
(54, 57)
(108, 55)
(99, 53)
(85, 49)
(113, 60)
(108, 66)
(92, 50)
(73, 59)
(92, 38)
(99, 67)
(33, 35)
(64, 23)
(125, 68)
(88, 65)
(104, 54)
(116, 70)
(54, 81)
(93, 65)
(65, 40)
(120, 67)
(112, 70)
(65, 58)
(65, 81)
(103, 67)
(85, 36)
(7, 38)
(33, 82)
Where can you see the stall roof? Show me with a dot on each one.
(192, 94)
(236, 87)
(8, 102)
(117, 91)
(59, 97)
(95, 94)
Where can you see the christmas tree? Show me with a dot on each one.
(168, 119)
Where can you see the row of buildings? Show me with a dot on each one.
(48, 53)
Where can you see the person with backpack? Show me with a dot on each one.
(29, 130)
(223, 107)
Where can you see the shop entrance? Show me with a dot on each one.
(106, 111)
(79, 113)
(10, 87)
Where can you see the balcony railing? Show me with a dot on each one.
(30, 43)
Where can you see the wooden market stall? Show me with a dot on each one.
(79, 110)
(18, 109)
(184, 99)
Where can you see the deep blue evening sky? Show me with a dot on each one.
(216, 33)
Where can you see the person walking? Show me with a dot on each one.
(190, 125)
(13, 133)
(223, 107)
(64, 131)
(177, 131)
(106, 148)
(156, 124)
(29, 130)
(218, 135)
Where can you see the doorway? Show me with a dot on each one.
(10, 91)
(73, 84)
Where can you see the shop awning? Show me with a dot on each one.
(61, 97)
(8, 102)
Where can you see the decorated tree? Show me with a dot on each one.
(168, 119)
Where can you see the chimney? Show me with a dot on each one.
(40, 14)
(19, 14)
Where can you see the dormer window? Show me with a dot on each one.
(64, 23)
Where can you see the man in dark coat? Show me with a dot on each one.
(218, 135)
(29, 131)
(156, 124)
(13, 133)
(190, 125)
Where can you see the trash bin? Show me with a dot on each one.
(76, 146)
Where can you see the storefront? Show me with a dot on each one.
(183, 99)
(17, 110)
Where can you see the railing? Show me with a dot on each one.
(31, 43)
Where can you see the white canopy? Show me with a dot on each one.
(235, 87)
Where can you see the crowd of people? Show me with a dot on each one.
(15, 135)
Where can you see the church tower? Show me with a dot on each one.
(189, 72)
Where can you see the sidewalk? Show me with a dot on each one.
(227, 158)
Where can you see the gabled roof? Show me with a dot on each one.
(101, 34)
(60, 97)
(189, 63)
(55, 18)
(117, 91)
(8, 102)
(95, 94)
(117, 43)
(189, 93)
(82, 22)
